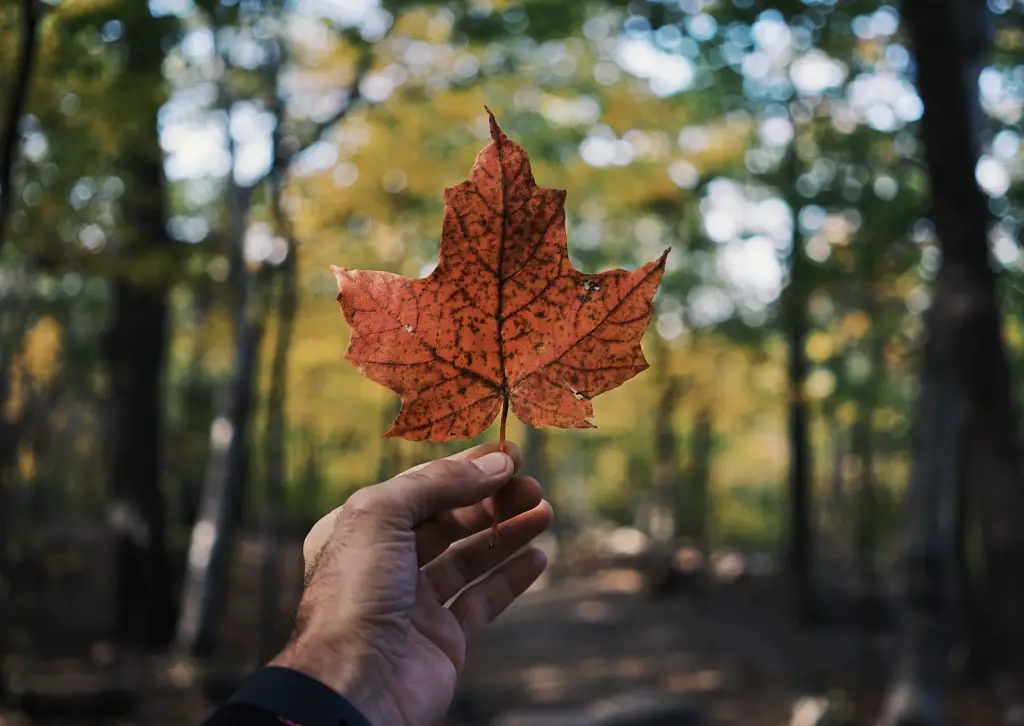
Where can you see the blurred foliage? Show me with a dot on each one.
(668, 123)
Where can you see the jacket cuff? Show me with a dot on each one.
(297, 699)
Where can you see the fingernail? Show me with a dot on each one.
(493, 463)
(539, 558)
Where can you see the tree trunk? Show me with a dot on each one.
(134, 348)
(917, 696)
(209, 555)
(390, 462)
(966, 418)
(663, 525)
(837, 491)
(862, 440)
(135, 353)
(198, 400)
(534, 456)
(9, 145)
(535, 464)
(273, 507)
(862, 449)
(700, 477)
(31, 11)
(800, 531)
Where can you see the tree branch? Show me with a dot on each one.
(283, 159)
(30, 16)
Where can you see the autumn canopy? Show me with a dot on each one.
(504, 320)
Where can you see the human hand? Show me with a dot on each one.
(379, 619)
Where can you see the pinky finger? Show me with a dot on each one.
(480, 604)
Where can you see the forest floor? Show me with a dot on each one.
(570, 649)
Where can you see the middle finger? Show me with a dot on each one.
(433, 537)
(470, 558)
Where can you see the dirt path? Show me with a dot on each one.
(733, 655)
(563, 651)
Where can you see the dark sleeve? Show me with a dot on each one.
(274, 696)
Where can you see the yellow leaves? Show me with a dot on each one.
(1014, 334)
(886, 419)
(1010, 39)
(883, 418)
(26, 461)
(819, 347)
(820, 384)
(824, 344)
(612, 463)
(433, 27)
(32, 371)
(856, 324)
(846, 412)
(36, 366)
(73, 8)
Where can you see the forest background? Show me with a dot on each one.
(176, 176)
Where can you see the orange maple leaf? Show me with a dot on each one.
(504, 320)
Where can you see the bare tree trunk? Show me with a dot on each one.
(700, 478)
(800, 540)
(917, 696)
(390, 462)
(197, 401)
(534, 455)
(837, 492)
(206, 579)
(9, 138)
(311, 480)
(276, 424)
(862, 448)
(535, 464)
(273, 507)
(862, 442)
(663, 527)
(966, 419)
(134, 347)
(134, 351)
(31, 12)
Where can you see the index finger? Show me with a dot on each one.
(320, 532)
(475, 452)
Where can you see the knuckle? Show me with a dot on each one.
(363, 503)
(452, 469)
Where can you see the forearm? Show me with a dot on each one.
(273, 696)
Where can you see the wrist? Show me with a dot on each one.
(343, 672)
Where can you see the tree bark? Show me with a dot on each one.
(134, 351)
(535, 464)
(276, 419)
(134, 348)
(275, 457)
(209, 555)
(700, 477)
(862, 449)
(801, 543)
(862, 440)
(31, 12)
(663, 526)
(9, 138)
(390, 461)
(966, 418)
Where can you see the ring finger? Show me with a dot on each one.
(470, 558)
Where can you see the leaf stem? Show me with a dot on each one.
(501, 448)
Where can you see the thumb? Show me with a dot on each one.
(422, 492)
(426, 491)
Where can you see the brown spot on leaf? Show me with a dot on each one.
(501, 318)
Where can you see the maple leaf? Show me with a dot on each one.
(504, 320)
